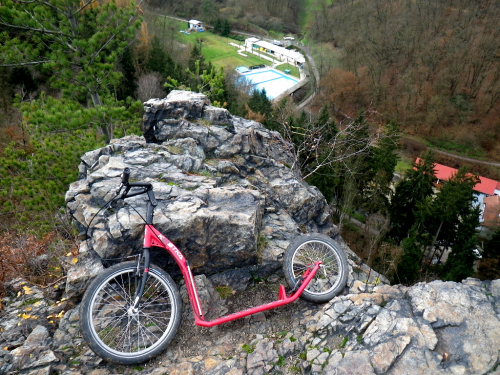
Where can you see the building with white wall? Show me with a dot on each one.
(485, 188)
(277, 52)
(195, 25)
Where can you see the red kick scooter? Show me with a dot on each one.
(131, 311)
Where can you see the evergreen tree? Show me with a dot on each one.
(492, 246)
(195, 57)
(325, 120)
(218, 26)
(128, 83)
(22, 76)
(413, 189)
(381, 169)
(460, 263)
(78, 42)
(210, 82)
(408, 268)
(347, 179)
(35, 176)
(448, 219)
(226, 29)
(213, 84)
(385, 154)
(489, 266)
(327, 176)
(260, 103)
(359, 167)
(454, 201)
(159, 61)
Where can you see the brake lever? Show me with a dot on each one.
(124, 180)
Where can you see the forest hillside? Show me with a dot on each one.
(432, 66)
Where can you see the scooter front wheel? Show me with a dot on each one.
(330, 279)
(115, 330)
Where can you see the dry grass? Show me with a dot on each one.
(37, 260)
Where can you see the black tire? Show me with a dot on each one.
(330, 279)
(122, 336)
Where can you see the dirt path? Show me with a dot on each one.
(464, 158)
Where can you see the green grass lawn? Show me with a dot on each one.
(403, 165)
(219, 52)
(294, 71)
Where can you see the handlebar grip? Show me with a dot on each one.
(125, 176)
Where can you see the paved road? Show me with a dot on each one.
(455, 156)
(315, 72)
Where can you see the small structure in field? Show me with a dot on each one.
(195, 25)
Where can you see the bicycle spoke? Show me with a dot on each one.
(112, 328)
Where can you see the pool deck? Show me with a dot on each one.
(243, 51)
(301, 81)
(291, 90)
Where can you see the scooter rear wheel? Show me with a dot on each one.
(330, 279)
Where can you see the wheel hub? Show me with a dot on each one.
(133, 312)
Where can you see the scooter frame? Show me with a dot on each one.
(153, 237)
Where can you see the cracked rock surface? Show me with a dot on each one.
(383, 330)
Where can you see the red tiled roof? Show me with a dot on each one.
(485, 185)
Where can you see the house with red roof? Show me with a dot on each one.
(486, 191)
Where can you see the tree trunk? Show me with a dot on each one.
(435, 239)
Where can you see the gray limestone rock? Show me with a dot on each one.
(215, 177)
(392, 330)
(35, 351)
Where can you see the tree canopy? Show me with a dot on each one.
(77, 41)
(78, 45)
(430, 225)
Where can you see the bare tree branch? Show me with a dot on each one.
(26, 63)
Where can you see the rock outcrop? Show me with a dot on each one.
(228, 198)
(227, 195)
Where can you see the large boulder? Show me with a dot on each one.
(227, 196)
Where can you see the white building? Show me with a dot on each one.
(195, 25)
(279, 53)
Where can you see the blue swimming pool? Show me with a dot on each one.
(273, 81)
